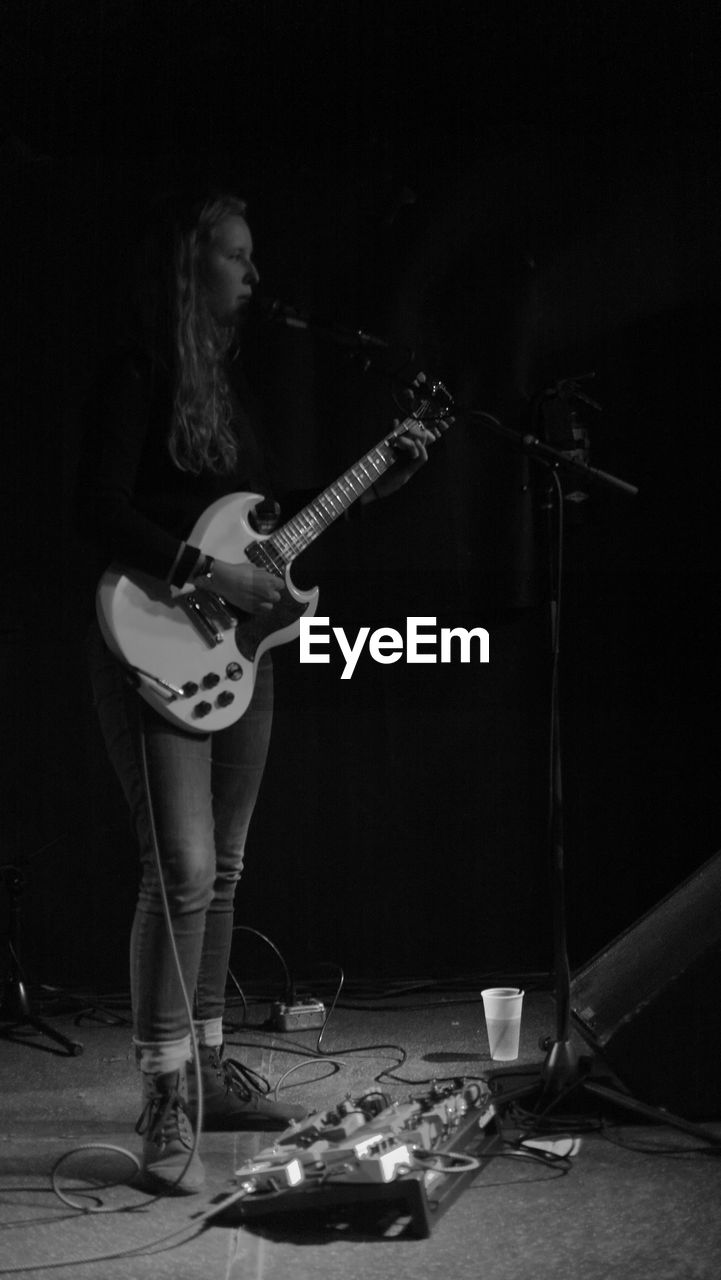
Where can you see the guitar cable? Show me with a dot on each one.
(197, 1128)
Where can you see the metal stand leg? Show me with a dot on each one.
(15, 1009)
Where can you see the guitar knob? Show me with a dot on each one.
(201, 709)
(190, 689)
(210, 681)
(225, 698)
(234, 671)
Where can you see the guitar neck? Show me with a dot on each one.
(302, 529)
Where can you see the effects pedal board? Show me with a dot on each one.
(396, 1165)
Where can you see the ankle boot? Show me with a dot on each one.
(234, 1097)
(167, 1134)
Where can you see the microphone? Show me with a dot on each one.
(281, 313)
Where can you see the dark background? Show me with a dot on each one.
(521, 193)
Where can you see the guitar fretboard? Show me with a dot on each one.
(302, 529)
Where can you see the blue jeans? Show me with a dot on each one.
(202, 792)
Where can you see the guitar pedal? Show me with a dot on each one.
(303, 1016)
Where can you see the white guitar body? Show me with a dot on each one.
(193, 657)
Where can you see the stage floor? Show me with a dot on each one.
(637, 1200)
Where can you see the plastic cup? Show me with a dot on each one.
(502, 1007)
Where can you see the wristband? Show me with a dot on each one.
(186, 562)
(204, 574)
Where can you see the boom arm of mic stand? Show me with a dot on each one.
(546, 453)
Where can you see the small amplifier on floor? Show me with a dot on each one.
(302, 1016)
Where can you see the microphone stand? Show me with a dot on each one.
(15, 1008)
(562, 1073)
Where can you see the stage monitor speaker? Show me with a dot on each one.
(650, 1002)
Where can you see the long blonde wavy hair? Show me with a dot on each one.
(201, 436)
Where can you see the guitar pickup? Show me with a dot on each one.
(209, 614)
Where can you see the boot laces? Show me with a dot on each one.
(164, 1120)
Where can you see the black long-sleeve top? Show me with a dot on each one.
(133, 502)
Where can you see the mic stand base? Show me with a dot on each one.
(15, 1009)
(561, 1067)
(563, 1075)
(16, 1013)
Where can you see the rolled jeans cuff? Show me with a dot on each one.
(210, 1032)
(159, 1057)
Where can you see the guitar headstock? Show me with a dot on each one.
(440, 397)
(427, 399)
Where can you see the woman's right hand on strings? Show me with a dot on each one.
(250, 589)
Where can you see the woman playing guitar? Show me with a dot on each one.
(174, 437)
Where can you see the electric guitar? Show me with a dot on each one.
(193, 656)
